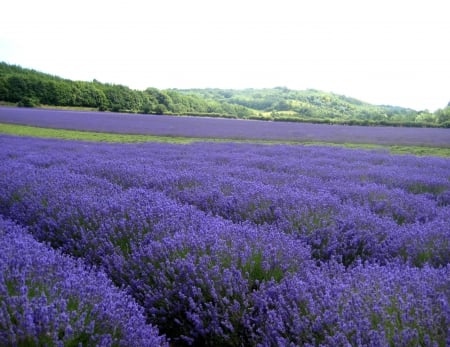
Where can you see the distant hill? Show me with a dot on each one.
(30, 88)
(281, 103)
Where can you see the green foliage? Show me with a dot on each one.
(27, 101)
(30, 88)
(283, 104)
(443, 115)
(257, 273)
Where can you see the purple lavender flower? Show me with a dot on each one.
(368, 305)
(228, 245)
(51, 299)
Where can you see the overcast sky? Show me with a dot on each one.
(380, 51)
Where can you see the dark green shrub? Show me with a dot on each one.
(27, 101)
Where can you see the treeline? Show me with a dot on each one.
(30, 88)
(283, 104)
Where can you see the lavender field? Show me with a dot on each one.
(226, 244)
(224, 128)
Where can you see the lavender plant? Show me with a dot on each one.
(197, 284)
(48, 299)
(230, 245)
(368, 305)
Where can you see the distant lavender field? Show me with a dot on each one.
(223, 128)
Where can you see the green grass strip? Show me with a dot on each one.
(91, 136)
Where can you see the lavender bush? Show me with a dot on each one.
(369, 305)
(197, 284)
(48, 299)
(248, 245)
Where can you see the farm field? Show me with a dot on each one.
(221, 244)
(199, 127)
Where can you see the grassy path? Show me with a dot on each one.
(24, 130)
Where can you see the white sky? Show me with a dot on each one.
(381, 51)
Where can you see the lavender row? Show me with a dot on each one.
(163, 125)
(48, 299)
(173, 258)
(347, 204)
(369, 305)
(205, 277)
(305, 193)
(343, 203)
(327, 306)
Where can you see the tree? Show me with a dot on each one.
(17, 88)
(160, 109)
(282, 105)
(425, 117)
(27, 101)
(3, 89)
(443, 115)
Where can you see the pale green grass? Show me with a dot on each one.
(25, 130)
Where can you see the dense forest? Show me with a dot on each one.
(30, 88)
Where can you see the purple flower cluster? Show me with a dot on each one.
(197, 283)
(49, 299)
(368, 305)
(232, 245)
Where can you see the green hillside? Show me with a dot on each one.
(30, 88)
(281, 103)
